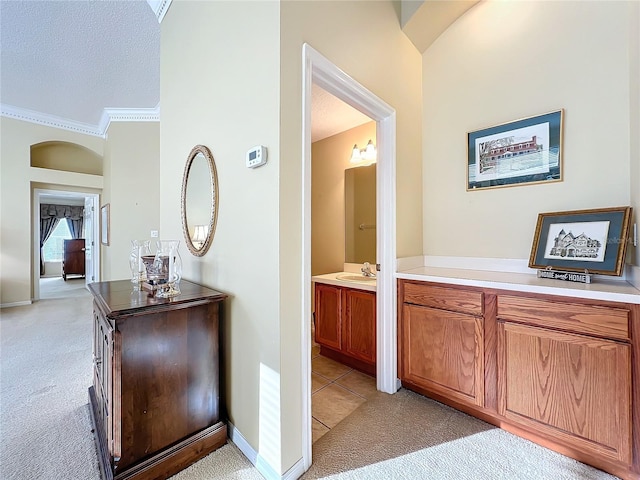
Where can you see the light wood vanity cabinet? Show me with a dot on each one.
(567, 372)
(441, 335)
(560, 371)
(345, 325)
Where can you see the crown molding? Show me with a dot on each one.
(108, 115)
(39, 118)
(159, 7)
(128, 115)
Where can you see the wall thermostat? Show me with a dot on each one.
(257, 156)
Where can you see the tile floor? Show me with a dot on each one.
(336, 391)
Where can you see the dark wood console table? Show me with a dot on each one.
(155, 399)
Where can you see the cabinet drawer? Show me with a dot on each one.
(457, 300)
(587, 319)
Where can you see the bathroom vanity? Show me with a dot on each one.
(345, 319)
(557, 365)
(155, 400)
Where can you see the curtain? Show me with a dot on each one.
(50, 215)
(75, 226)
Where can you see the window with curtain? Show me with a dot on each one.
(53, 249)
(50, 216)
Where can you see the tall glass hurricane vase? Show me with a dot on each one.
(139, 249)
(168, 261)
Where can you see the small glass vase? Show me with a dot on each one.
(139, 249)
(167, 268)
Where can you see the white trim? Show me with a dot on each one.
(506, 265)
(407, 263)
(633, 275)
(36, 234)
(316, 69)
(16, 304)
(258, 461)
(159, 8)
(295, 471)
(241, 442)
(108, 115)
(49, 120)
(512, 265)
(265, 469)
(254, 457)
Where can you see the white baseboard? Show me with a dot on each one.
(295, 471)
(16, 304)
(237, 438)
(266, 470)
(259, 462)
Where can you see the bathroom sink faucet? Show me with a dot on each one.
(366, 270)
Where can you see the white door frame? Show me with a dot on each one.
(36, 233)
(316, 69)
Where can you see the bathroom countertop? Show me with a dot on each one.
(599, 289)
(330, 279)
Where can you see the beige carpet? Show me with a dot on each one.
(45, 370)
(56, 287)
(45, 431)
(408, 436)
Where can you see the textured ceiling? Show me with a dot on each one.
(73, 59)
(330, 115)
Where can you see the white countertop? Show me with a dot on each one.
(600, 288)
(330, 278)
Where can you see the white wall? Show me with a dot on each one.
(231, 90)
(363, 39)
(329, 159)
(220, 88)
(132, 190)
(130, 182)
(503, 61)
(16, 180)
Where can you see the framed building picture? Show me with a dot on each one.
(593, 241)
(520, 152)
(104, 224)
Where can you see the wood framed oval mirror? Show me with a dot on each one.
(199, 200)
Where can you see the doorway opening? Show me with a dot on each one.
(317, 70)
(50, 280)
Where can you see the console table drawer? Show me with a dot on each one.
(602, 321)
(454, 299)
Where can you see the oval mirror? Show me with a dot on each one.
(199, 200)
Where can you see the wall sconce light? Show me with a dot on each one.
(199, 235)
(368, 154)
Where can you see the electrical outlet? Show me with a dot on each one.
(154, 233)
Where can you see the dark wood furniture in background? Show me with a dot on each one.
(555, 370)
(73, 258)
(345, 325)
(155, 400)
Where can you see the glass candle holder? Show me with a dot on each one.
(139, 249)
(167, 268)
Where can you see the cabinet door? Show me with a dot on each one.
(328, 313)
(442, 352)
(102, 371)
(572, 387)
(360, 324)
